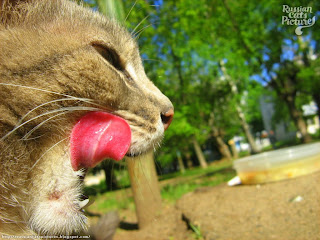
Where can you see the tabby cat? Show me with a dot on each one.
(73, 92)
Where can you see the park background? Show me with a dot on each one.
(242, 81)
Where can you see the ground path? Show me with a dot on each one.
(285, 210)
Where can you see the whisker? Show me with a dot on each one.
(25, 137)
(43, 104)
(133, 31)
(52, 92)
(154, 147)
(138, 33)
(146, 176)
(112, 175)
(38, 89)
(158, 164)
(47, 152)
(33, 138)
(19, 204)
(47, 113)
(130, 11)
(150, 59)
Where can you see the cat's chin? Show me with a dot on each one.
(60, 214)
(57, 208)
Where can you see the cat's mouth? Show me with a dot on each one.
(94, 138)
(98, 136)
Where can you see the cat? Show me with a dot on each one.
(73, 92)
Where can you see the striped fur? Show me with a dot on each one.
(50, 75)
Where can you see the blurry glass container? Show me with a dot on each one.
(279, 164)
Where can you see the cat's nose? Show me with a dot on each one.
(167, 118)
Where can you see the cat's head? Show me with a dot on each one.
(58, 63)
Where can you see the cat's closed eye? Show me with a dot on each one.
(109, 55)
(50, 84)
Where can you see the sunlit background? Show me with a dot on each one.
(242, 79)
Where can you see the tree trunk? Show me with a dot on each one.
(189, 161)
(233, 149)
(298, 119)
(246, 130)
(180, 162)
(222, 147)
(145, 188)
(177, 65)
(316, 99)
(111, 181)
(240, 113)
(199, 153)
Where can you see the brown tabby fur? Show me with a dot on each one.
(51, 75)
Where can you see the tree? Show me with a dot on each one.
(286, 86)
(309, 80)
(145, 188)
(243, 121)
(267, 48)
(186, 42)
(182, 71)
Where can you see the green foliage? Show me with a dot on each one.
(122, 177)
(310, 78)
(253, 92)
(182, 44)
(96, 189)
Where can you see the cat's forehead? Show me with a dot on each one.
(69, 19)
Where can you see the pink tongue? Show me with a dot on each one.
(97, 136)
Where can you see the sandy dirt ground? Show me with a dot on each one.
(285, 210)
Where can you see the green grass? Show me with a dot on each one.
(117, 200)
(113, 203)
(243, 154)
(206, 177)
(95, 189)
(198, 170)
(197, 232)
(173, 193)
(178, 184)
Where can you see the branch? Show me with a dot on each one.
(177, 64)
(237, 29)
